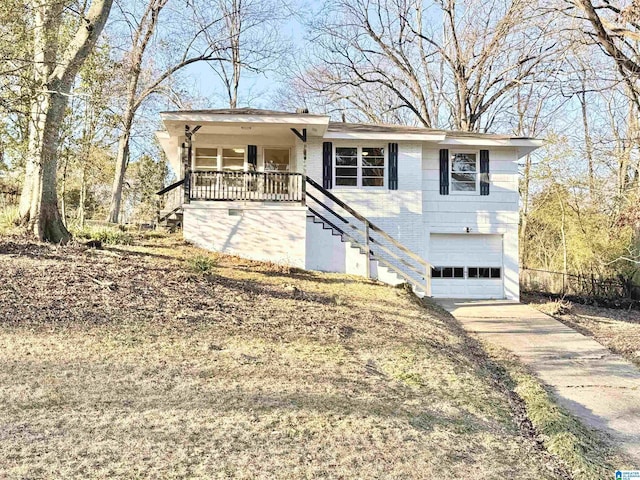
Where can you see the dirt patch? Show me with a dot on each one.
(615, 328)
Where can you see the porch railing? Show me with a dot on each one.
(247, 186)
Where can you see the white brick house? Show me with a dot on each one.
(435, 208)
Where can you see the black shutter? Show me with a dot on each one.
(327, 161)
(484, 172)
(252, 157)
(444, 171)
(393, 166)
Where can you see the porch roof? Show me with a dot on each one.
(275, 122)
(238, 120)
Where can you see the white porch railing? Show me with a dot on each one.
(247, 186)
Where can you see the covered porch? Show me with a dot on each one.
(237, 155)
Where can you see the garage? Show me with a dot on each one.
(466, 265)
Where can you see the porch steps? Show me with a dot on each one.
(356, 263)
(170, 219)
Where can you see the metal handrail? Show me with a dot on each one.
(170, 187)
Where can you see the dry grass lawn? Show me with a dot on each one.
(159, 361)
(616, 329)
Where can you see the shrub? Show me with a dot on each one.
(202, 263)
(9, 218)
(106, 235)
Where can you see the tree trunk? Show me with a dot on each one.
(564, 246)
(39, 201)
(63, 190)
(587, 141)
(54, 74)
(122, 160)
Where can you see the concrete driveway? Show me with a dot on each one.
(597, 386)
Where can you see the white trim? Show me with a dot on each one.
(451, 140)
(385, 136)
(293, 119)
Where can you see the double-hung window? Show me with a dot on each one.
(226, 159)
(233, 159)
(464, 172)
(360, 166)
(206, 159)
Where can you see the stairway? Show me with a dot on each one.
(378, 253)
(170, 213)
(351, 255)
(171, 220)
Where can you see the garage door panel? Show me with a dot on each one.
(444, 288)
(486, 289)
(466, 250)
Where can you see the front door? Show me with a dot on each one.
(277, 160)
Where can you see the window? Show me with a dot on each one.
(485, 272)
(206, 159)
(233, 159)
(276, 160)
(359, 166)
(447, 272)
(464, 172)
(372, 167)
(346, 166)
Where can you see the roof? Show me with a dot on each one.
(242, 111)
(268, 121)
(382, 128)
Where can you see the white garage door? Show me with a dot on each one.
(466, 266)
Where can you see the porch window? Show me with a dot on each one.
(233, 159)
(464, 172)
(206, 159)
(359, 166)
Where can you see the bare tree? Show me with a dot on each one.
(54, 69)
(144, 80)
(617, 30)
(251, 40)
(453, 63)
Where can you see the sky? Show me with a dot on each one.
(256, 90)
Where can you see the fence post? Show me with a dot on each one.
(367, 247)
(427, 280)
